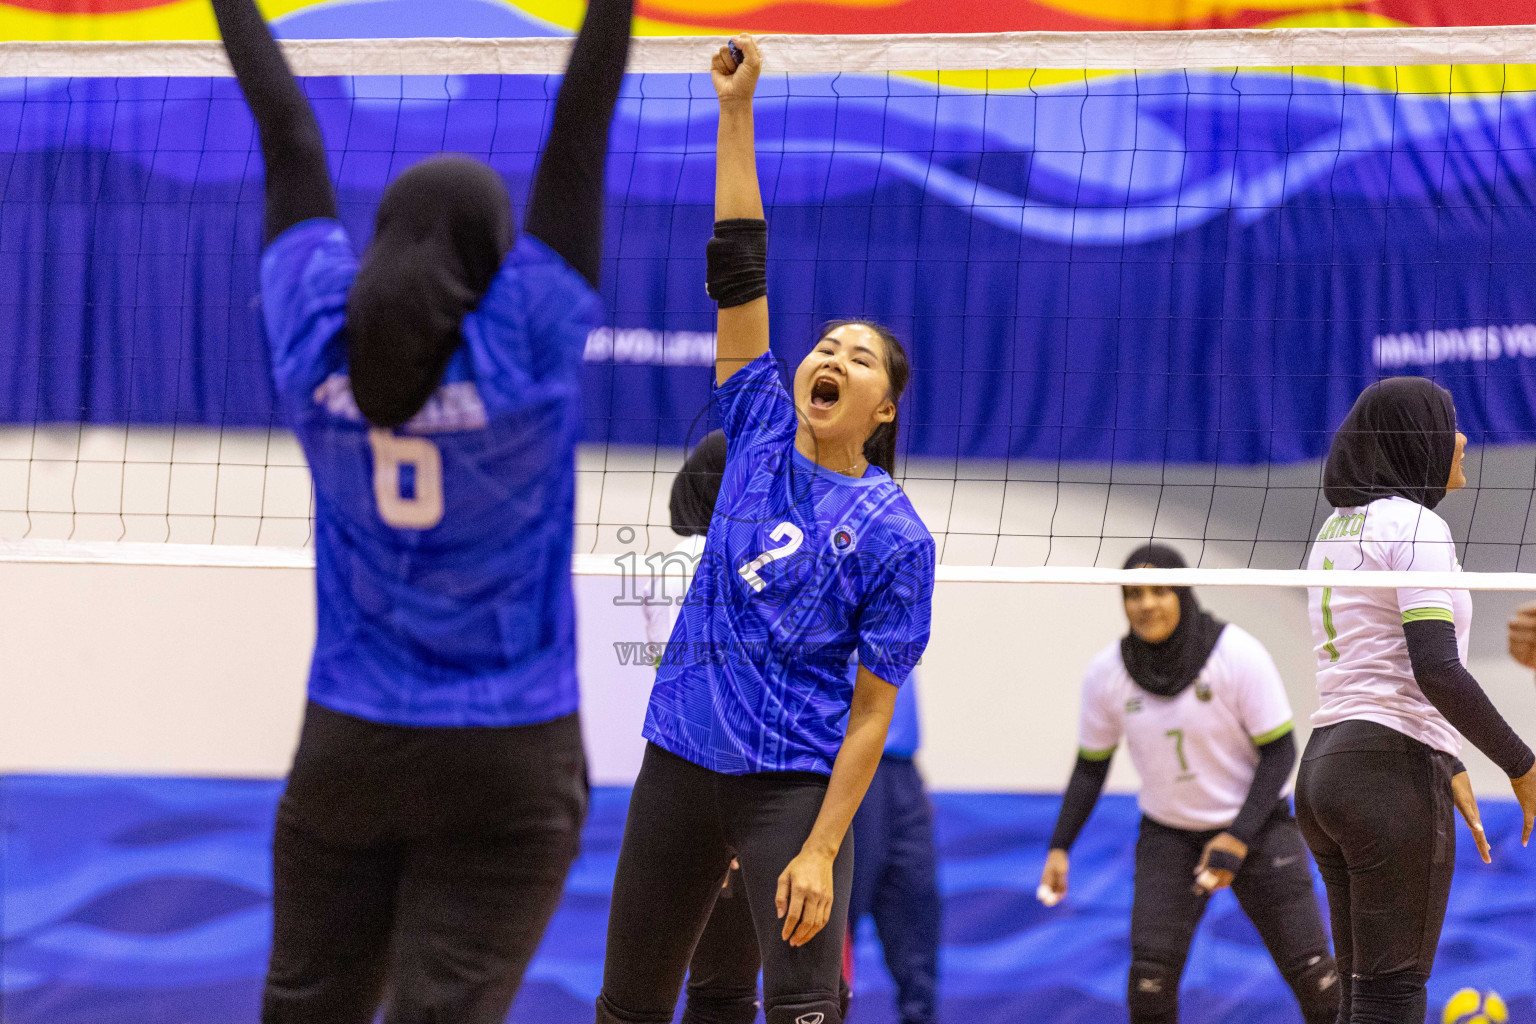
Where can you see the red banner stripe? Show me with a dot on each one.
(87, 6)
(923, 16)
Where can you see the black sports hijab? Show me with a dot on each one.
(697, 486)
(443, 229)
(1399, 439)
(1167, 669)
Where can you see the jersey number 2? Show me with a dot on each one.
(790, 534)
(396, 460)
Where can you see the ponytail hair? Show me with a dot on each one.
(880, 447)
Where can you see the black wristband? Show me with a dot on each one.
(1223, 860)
(738, 262)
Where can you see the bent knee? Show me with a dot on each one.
(1314, 980)
(609, 1013)
(1395, 998)
(817, 1008)
(1152, 995)
(721, 1005)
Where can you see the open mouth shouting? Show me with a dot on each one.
(825, 393)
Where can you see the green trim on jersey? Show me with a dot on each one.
(1333, 652)
(1427, 615)
(1096, 755)
(1273, 734)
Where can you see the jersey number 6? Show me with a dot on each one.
(397, 460)
(790, 534)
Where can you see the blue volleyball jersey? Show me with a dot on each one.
(442, 549)
(802, 569)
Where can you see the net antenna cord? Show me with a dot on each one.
(230, 556)
(874, 54)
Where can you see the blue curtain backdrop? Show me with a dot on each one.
(1188, 267)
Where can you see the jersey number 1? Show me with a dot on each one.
(397, 460)
(790, 534)
(1333, 635)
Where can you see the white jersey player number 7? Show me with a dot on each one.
(1196, 751)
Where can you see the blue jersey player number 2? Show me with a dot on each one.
(761, 746)
(803, 568)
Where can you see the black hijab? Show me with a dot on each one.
(1399, 439)
(697, 485)
(443, 229)
(1167, 669)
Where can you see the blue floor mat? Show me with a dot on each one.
(145, 901)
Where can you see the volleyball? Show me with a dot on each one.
(1469, 1006)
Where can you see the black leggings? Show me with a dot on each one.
(722, 976)
(685, 824)
(1375, 807)
(418, 868)
(1274, 888)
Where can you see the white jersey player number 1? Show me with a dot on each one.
(424, 508)
(790, 534)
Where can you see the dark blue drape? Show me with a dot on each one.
(1155, 268)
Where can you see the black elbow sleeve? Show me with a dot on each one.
(1432, 650)
(1446, 684)
(738, 262)
(1083, 789)
(1276, 759)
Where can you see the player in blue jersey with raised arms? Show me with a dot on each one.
(814, 554)
(437, 796)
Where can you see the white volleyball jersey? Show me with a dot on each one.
(1195, 752)
(664, 582)
(1363, 671)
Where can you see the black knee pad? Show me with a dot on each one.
(721, 1006)
(1315, 983)
(1397, 998)
(805, 1010)
(607, 1013)
(1153, 993)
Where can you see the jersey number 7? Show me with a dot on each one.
(407, 480)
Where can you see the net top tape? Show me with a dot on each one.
(216, 556)
(1152, 51)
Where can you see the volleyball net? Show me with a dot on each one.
(1142, 277)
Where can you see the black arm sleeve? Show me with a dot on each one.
(1276, 759)
(298, 181)
(565, 211)
(1447, 684)
(1082, 794)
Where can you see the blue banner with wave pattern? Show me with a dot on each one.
(1184, 267)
